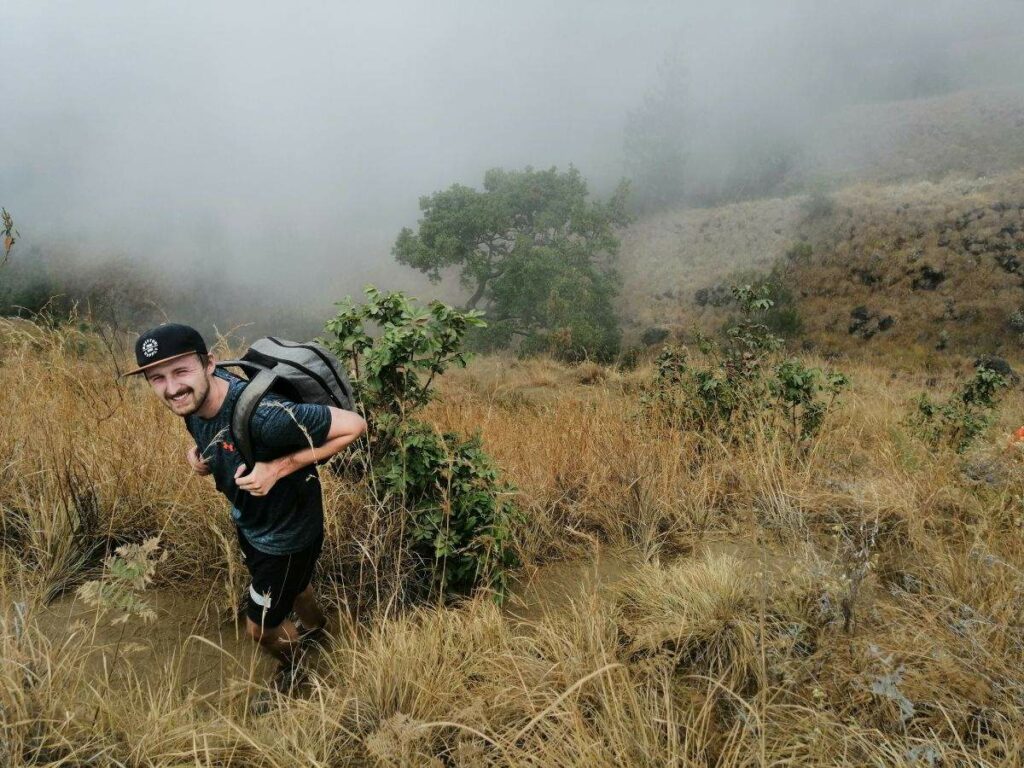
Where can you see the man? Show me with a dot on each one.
(277, 507)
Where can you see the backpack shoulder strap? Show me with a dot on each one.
(260, 382)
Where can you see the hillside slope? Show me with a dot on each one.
(936, 263)
(930, 264)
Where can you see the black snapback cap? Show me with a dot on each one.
(164, 343)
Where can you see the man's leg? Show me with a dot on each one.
(307, 610)
(280, 641)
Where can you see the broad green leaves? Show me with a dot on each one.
(965, 415)
(460, 515)
(393, 372)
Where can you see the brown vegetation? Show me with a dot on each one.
(858, 601)
(929, 266)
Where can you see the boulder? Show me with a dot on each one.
(654, 335)
(928, 279)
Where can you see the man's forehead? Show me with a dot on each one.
(186, 361)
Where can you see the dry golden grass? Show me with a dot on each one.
(862, 604)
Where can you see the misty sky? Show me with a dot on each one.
(291, 141)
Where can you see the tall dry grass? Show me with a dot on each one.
(857, 603)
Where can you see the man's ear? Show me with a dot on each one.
(211, 364)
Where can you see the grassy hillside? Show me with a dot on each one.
(917, 218)
(854, 600)
(965, 132)
(941, 260)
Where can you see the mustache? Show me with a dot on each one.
(179, 392)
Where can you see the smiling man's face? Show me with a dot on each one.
(183, 384)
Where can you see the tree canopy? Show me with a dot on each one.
(535, 252)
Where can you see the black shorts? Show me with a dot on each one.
(276, 580)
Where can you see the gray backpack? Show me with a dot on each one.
(301, 373)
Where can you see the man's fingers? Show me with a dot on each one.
(240, 471)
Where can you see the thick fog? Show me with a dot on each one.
(286, 144)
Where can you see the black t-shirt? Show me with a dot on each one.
(290, 517)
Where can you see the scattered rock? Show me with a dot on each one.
(654, 335)
(865, 323)
(715, 296)
(984, 471)
(928, 279)
(1009, 262)
(866, 276)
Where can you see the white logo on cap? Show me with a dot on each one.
(149, 347)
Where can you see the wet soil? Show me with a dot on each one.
(193, 643)
(552, 588)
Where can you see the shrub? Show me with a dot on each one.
(800, 253)
(798, 391)
(967, 413)
(460, 515)
(820, 205)
(781, 315)
(10, 234)
(127, 574)
(736, 387)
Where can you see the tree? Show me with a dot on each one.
(656, 138)
(535, 253)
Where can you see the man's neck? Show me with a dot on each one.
(215, 399)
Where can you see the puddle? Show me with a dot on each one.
(193, 643)
(553, 587)
(196, 645)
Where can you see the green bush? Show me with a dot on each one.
(739, 385)
(804, 395)
(965, 415)
(780, 315)
(460, 514)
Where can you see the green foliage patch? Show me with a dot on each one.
(739, 386)
(460, 514)
(535, 251)
(965, 415)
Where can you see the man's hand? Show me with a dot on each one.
(260, 480)
(199, 465)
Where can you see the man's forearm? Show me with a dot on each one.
(293, 462)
